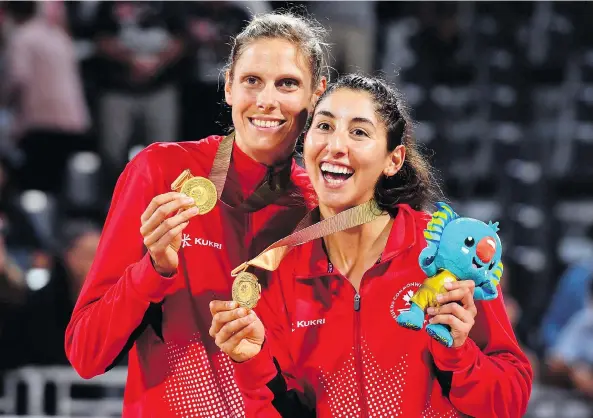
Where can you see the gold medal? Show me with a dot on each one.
(200, 189)
(246, 290)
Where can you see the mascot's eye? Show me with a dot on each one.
(491, 266)
(469, 242)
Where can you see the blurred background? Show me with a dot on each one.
(502, 93)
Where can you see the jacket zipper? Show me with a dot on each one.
(358, 356)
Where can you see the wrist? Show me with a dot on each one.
(243, 357)
(454, 359)
(256, 372)
(147, 282)
(163, 272)
(459, 344)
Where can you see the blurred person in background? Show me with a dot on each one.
(440, 45)
(352, 35)
(12, 282)
(573, 349)
(140, 44)
(35, 332)
(570, 297)
(210, 26)
(43, 89)
(18, 232)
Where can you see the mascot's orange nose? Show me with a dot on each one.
(486, 249)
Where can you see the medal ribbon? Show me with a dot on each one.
(270, 258)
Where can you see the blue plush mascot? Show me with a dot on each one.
(458, 248)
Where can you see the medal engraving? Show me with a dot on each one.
(246, 290)
(200, 189)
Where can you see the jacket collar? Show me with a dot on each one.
(402, 237)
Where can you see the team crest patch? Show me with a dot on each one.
(401, 301)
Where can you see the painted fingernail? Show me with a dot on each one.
(232, 305)
(188, 200)
(431, 320)
(430, 311)
(193, 210)
(440, 298)
(448, 286)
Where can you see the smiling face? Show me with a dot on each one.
(346, 150)
(271, 96)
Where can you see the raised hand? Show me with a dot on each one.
(237, 331)
(457, 310)
(162, 230)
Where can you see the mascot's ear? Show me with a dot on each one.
(433, 232)
(494, 226)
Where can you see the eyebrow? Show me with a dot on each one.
(326, 113)
(356, 119)
(363, 120)
(257, 73)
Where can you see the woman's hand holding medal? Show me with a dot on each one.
(162, 231)
(237, 331)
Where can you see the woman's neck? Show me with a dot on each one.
(354, 251)
(265, 157)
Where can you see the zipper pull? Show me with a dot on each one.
(357, 302)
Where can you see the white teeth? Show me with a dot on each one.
(338, 169)
(334, 181)
(265, 123)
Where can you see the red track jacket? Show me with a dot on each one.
(174, 367)
(337, 354)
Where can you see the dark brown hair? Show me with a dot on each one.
(415, 183)
(303, 32)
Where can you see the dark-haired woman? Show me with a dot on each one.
(323, 340)
(160, 262)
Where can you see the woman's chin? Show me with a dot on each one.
(332, 205)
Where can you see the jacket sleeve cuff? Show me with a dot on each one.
(257, 371)
(454, 359)
(147, 282)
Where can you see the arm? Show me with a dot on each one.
(122, 283)
(268, 390)
(176, 44)
(569, 345)
(266, 378)
(569, 354)
(267, 381)
(19, 66)
(567, 300)
(105, 30)
(582, 377)
(489, 375)
(171, 53)
(112, 48)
